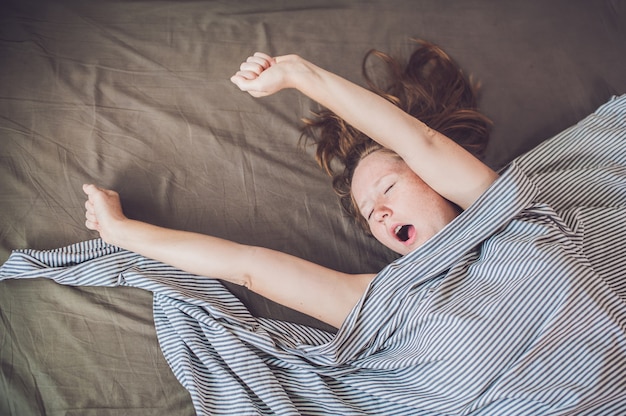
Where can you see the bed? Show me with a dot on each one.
(135, 96)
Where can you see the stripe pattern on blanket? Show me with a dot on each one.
(517, 307)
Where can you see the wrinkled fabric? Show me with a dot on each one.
(517, 307)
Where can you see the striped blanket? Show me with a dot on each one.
(518, 307)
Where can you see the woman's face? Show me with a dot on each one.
(400, 209)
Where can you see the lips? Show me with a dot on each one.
(405, 233)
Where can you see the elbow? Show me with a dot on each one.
(429, 133)
(246, 281)
(243, 273)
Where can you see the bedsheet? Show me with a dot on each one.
(134, 95)
(464, 324)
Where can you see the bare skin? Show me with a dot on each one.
(323, 293)
(401, 210)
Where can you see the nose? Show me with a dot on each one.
(381, 212)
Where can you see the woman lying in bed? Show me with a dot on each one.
(406, 188)
(510, 297)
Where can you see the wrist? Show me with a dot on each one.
(310, 80)
(115, 231)
(301, 73)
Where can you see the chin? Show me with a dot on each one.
(403, 251)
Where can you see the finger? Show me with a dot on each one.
(244, 81)
(265, 57)
(261, 59)
(91, 189)
(283, 58)
(91, 225)
(91, 217)
(257, 60)
(237, 79)
(247, 75)
(254, 67)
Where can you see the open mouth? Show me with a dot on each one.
(404, 232)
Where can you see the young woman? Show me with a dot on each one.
(406, 189)
(510, 296)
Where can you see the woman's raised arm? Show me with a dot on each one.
(445, 166)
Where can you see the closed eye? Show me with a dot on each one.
(369, 216)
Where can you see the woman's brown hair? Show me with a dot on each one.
(430, 87)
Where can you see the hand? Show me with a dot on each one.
(261, 75)
(103, 211)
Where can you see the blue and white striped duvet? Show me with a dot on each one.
(517, 307)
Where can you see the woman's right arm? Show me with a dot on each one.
(323, 293)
